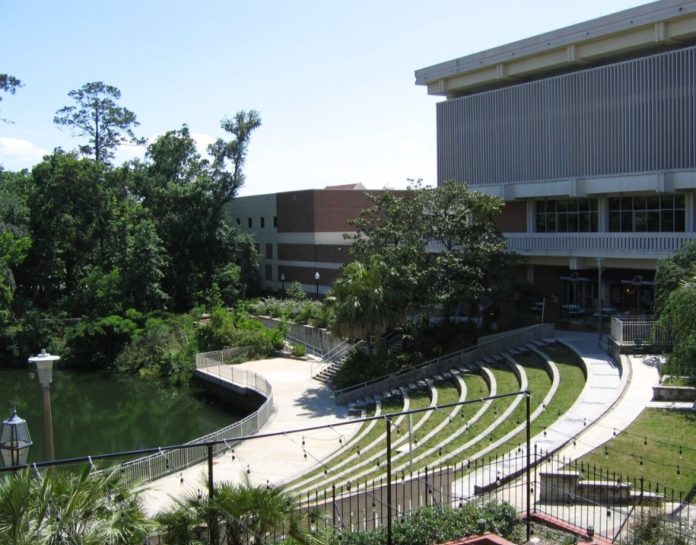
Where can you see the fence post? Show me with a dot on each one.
(527, 397)
(389, 484)
(212, 523)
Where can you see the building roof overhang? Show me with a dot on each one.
(641, 30)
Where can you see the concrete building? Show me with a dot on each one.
(588, 133)
(300, 233)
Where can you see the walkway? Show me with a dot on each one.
(299, 402)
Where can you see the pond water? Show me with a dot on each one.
(97, 413)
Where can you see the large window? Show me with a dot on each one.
(656, 213)
(566, 216)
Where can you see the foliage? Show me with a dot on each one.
(164, 347)
(238, 329)
(679, 314)
(97, 116)
(316, 313)
(296, 292)
(95, 344)
(455, 222)
(364, 302)
(70, 507)
(358, 368)
(299, 350)
(651, 527)
(8, 84)
(443, 524)
(670, 273)
(242, 513)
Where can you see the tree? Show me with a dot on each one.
(460, 224)
(364, 303)
(679, 313)
(227, 183)
(70, 507)
(671, 272)
(442, 243)
(8, 84)
(97, 116)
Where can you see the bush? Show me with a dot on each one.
(239, 329)
(95, 344)
(442, 524)
(296, 292)
(165, 347)
(299, 350)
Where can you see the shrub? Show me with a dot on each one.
(299, 350)
(296, 292)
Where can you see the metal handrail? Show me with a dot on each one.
(446, 357)
(158, 465)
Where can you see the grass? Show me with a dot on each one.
(679, 381)
(572, 381)
(667, 432)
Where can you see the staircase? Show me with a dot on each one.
(332, 361)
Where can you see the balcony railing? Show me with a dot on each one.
(651, 245)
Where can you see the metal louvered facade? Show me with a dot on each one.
(634, 116)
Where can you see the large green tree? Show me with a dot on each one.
(97, 116)
(441, 243)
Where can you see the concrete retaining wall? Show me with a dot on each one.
(674, 393)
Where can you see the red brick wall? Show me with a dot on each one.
(310, 252)
(333, 209)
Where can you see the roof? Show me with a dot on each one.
(357, 186)
(641, 30)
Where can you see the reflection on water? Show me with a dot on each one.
(96, 413)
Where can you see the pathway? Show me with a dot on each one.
(299, 402)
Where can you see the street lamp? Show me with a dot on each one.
(15, 441)
(317, 276)
(282, 283)
(44, 368)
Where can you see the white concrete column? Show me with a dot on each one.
(531, 216)
(689, 220)
(602, 214)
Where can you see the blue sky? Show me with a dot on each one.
(333, 81)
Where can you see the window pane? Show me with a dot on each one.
(541, 206)
(626, 203)
(572, 206)
(653, 221)
(541, 223)
(667, 201)
(615, 222)
(572, 223)
(653, 202)
(562, 206)
(639, 203)
(641, 221)
(667, 217)
(627, 221)
(614, 203)
(679, 201)
(679, 221)
(584, 205)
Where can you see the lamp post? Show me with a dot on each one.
(282, 284)
(15, 441)
(317, 276)
(44, 368)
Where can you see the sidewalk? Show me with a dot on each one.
(299, 402)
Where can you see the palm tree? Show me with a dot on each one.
(85, 508)
(244, 513)
(365, 303)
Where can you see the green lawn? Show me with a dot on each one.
(655, 438)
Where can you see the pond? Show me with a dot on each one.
(97, 413)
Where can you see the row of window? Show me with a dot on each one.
(262, 222)
(657, 213)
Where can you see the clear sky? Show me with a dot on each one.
(333, 81)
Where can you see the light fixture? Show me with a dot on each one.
(15, 441)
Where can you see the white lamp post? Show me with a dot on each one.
(15, 441)
(317, 276)
(44, 368)
(282, 283)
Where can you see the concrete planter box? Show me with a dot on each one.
(674, 393)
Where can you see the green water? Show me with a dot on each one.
(96, 413)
